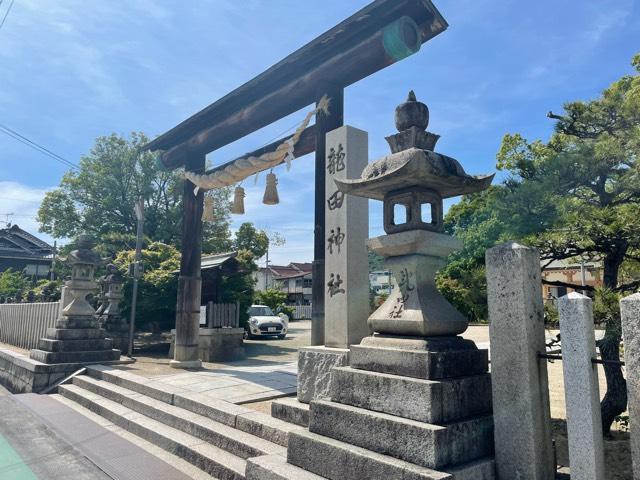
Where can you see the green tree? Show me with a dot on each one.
(476, 221)
(251, 239)
(239, 287)
(577, 195)
(589, 178)
(99, 198)
(157, 289)
(271, 297)
(13, 284)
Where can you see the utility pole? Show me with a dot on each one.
(53, 260)
(137, 270)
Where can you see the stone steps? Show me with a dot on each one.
(291, 410)
(213, 460)
(215, 436)
(275, 467)
(420, 443)
(237, 416)
(228, 438)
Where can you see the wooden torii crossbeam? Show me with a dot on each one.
(375, 37)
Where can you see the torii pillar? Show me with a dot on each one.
(189, 282)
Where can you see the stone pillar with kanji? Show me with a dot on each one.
(346, 278)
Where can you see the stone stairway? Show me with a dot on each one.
(216, 436)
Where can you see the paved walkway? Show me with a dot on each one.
(30, 450)
(268, 372)
(235, 384)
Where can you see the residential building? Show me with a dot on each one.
(380, 282)
(569, 271)
(294, 279)
(23, 252)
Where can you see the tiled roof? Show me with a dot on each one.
(16, 242)
(292, 270)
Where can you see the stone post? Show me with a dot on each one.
(115, 325)
(65, 298)
(519, 378)
(630, 310)
(581, 389)
(346, 278)
(347, 228)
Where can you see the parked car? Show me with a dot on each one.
(264, 323)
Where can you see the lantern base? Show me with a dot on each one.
(415, 307)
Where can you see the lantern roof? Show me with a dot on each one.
(413, 163)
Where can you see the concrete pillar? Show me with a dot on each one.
(630, 310)
(346, 278)
(520, 390)
(581, 388)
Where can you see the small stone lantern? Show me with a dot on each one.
(415, 179)
(116, 326)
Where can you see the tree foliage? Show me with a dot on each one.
(251, 239)
(271, 297)
(157, 289)
(13, 285)
(576, 195)
(99, 198)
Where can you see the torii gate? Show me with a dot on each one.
(375, 37)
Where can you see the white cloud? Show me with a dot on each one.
(22, 202)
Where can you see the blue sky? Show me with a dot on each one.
(71, 70)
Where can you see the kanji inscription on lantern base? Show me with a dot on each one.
(347, 229)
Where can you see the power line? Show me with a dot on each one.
(30, 143)
(6, 14)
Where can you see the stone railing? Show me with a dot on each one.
(23, 324)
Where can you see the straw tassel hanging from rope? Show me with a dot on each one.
(237, 207)
(207, 210)
(271, 192)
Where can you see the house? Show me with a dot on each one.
(294, 279)
(380, 282)
(569, 271)
(23, 252)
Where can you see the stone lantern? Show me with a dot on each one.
(116, 326)
(77, 337)
(83, 262)
(413, 181)
(415, 399)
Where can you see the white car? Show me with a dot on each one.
(264, 323)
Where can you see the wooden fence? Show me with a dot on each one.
(23, 324)
(301, 312)
(223, 315)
